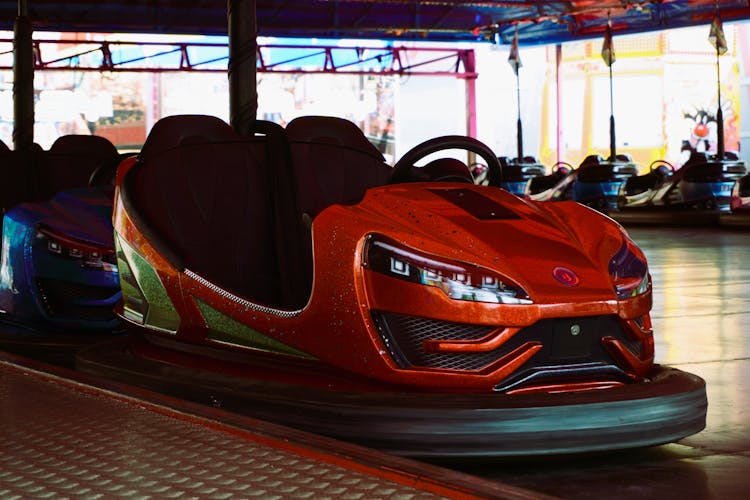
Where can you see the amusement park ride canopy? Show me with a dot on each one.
(540, 22)
(535, 22)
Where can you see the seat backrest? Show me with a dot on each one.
(13, 179)
(14, 187)
(332, 162)
(623, 157)
(201, 194)
(591, 160)
(70, 161)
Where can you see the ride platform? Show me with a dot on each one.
(701, 319)
(53, 347)
(422, 425)
(687, 218)
(67, 435)
(735, 219)
(656, 217)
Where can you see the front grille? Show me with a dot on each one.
(633, 344)
(404, 336)
(66, 299)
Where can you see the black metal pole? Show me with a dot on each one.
(519, 126)
(23, 80)
(243, 92)
(612, 142)
(719, 112)
(558, 93)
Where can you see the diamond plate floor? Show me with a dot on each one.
(63, 439)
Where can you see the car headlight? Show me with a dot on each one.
(459, 280)
(629, 272)
(89, 254)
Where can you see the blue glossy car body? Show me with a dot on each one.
(58, 269)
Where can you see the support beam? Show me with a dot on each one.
(469, 63)
(471, 92)
(23, 80)
(558, 106)
(243, 92)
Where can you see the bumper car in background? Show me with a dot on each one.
(739, 202)
(641, 190)
(697, 193)
(595, 183)
(287, 276)
(517, 172)
(547, 187)
(58, 270)
(58, 267)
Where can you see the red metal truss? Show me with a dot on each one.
(154, 57)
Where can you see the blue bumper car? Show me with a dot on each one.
(58, 268)
(595, 183)
(698, 192)
(517, 172)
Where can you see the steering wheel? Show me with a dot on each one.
(562, 167)
(660, 163)
(401, 168)
(104, 174)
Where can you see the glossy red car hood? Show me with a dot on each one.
(492, 228)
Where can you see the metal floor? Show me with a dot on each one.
(64, 435)
(61, 438)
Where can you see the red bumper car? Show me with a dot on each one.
(286, 275)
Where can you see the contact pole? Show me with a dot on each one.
(519, 126)
(243, 92)
(23, 80)
(719, 113)
(558, 93)
(612, 142)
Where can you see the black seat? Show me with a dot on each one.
(594, 168)
(744, 186)
(542, 183)
(638, 184)
(18, 170)
(203, 196)
(521, 169)
(229, 207)
(332, 162)
(591, 160)
(622, 158)
(70, 162)
(14, 187)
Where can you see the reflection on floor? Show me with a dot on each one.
(701, 318)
